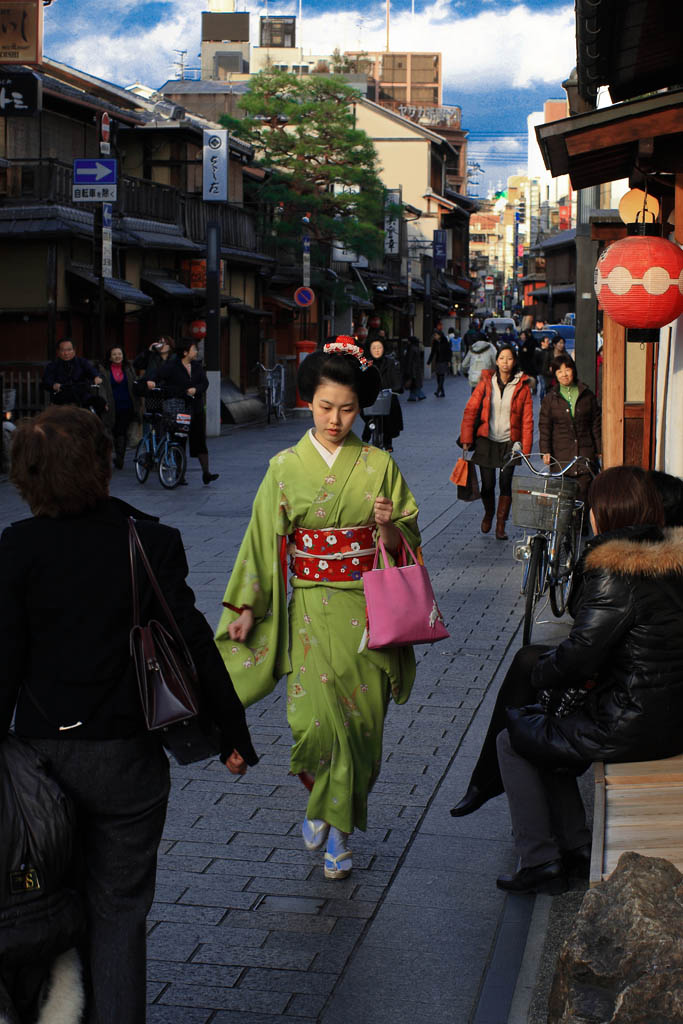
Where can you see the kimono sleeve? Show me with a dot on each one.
(257, 581)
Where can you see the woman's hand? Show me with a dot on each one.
(242, 626)
(547, 458)
(384, 508)
(465, 446)
(191, 392)
(151, 384)
(236, 764)
(389, 534)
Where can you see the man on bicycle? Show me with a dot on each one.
(68, 378)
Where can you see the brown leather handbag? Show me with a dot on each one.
(166, 674)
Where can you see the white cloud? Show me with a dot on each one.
(488, 51)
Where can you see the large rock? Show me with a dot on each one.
(623, 960)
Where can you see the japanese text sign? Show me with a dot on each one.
(215, 166)
(392, 222)
(21, 31)
(20, 94)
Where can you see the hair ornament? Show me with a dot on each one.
(344, 345)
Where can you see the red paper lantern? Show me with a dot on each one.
(374, 321)
(198, 330)
(639, 281)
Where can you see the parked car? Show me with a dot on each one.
(500, 323)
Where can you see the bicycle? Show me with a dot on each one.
(273, 387)
(165, 449)
(546, 502)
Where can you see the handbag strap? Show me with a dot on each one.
(135, 548)
(404, 547)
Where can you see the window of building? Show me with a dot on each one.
(393, 93)
(394, 68)
(424, 94)
(300, 69)
(279, 32)
(424, 67)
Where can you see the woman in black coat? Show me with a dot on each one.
(570, 423)
(624, 656)
(390, 373)
(184, 377)
(65, 619)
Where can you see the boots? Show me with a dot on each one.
(501, 516)
(119, 450)
(489, 503)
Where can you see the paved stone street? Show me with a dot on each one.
(245, 930)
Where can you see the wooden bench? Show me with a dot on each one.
(638, 807)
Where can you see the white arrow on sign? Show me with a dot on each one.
(99, 170)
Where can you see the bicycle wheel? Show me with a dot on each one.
(535, 580)
(562, 574)
(142, 460)
(171, 466)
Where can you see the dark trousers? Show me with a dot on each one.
(440, 378)
(515, 691)
(120, 791)
(488, 480)
(548, 816)
(120, 431)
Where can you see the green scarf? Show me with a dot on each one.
(570, 396)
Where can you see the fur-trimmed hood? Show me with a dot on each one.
(643, 555)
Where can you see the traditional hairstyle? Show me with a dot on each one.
(342, 362)
(564, 359)
(625, 496)
(670, 490)
(61, 461)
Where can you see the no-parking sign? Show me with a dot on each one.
(304, 297)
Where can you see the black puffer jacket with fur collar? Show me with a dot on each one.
(627, 640)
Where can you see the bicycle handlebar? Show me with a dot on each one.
(518, 453)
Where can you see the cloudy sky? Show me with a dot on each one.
(502, 59)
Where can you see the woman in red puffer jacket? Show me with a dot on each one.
(499, 412)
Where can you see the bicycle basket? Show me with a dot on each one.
(176, 416)
(382, 404)
(535, 498)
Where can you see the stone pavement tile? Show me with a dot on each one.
(215, 820)
(288, 981)
(178, 945)
(350, 908)
(232, 953)
(154, 989)
(284, 870)
(228, 1017)
(168, 932)
(316, 887)
(193, 973)
(212, 896)
(157, 1014)
(169, 890)
(219, 998)
(214, 851)
(305, 1006)
(196, 865)
(176, 912)
(235, 881)
(434, 889)
(282, 919)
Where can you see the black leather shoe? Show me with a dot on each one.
(549, 878)
(209, 477)
(577, 863)
(474, 798)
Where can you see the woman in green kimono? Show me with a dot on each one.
(323, 502)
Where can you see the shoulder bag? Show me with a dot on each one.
(166, 674)
(400, 602)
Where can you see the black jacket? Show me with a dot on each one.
(176, 380)
(73, 373)
(65, 618)
(627, 639)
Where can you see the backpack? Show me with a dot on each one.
(40, 916)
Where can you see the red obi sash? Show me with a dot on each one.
(333, 556)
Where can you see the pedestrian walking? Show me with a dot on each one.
(327, 496)
(148, 362)
(569, 424)
(619, 676)
(414, 371)
(122, 403)
(526, 353)
(542, 359)
(472, 334)
(440, 358)
(498, 414)
(66, 675)
(184, 377)
(389, 370)
(455, 341)
(481, 356)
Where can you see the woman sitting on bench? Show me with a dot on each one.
(612, 691)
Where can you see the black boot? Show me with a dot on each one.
(577, 863)
(549, 877)
(475, 797)
(119, 450)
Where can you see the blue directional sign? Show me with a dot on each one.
(106, 215)
(95, 172)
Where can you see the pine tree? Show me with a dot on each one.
(321, 166)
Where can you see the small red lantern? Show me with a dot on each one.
(362, 333)
(639, 281)
(374, 321)
(198, 330)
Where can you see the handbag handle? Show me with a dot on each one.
(401, 553)
(135, 547)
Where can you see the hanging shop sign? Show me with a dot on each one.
(215, 166)
(21, 31)
(21, 94)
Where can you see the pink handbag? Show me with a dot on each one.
(401, 608)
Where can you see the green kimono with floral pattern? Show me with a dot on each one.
(337, 689)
